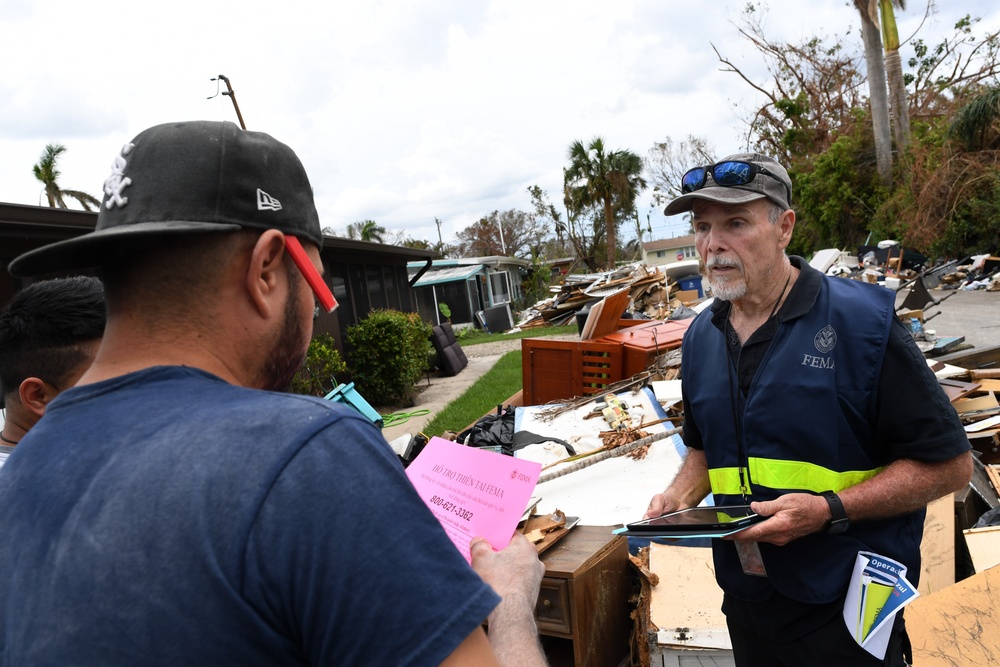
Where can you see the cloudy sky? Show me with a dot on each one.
(401, 111)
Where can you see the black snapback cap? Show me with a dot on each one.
(187, 178)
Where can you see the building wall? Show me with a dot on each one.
(666, 256)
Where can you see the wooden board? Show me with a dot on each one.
(982, 484)
(937, 550)
(687, 597)
(984, 547)
(993, 472)
(959, 625)
(987, 402)
(956, 389)
(604, 315)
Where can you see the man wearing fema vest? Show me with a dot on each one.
(805, 397)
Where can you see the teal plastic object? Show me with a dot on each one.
(345, 393)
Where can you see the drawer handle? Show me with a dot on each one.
(546, 603)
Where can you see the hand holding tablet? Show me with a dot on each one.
(696, 522)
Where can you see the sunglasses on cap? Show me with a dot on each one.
(728, 174)
(319, 287)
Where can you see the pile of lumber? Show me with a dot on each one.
(650, 292)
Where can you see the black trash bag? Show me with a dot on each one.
(990, 518)
(496, 430)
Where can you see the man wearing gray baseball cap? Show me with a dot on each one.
(807, 399)
(175, 508)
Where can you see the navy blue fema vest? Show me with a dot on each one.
(807, 424)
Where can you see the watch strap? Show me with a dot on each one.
(838, 515)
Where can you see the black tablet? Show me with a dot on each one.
(699, 519)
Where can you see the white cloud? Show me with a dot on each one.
(401, 111)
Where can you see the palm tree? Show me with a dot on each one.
(894, 70)
(368, 230)
(878, 93)
(977, 124)
(609, 180)
(47, 171)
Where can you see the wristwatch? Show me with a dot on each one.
(839, 522)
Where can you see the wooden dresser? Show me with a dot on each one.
(583, 608)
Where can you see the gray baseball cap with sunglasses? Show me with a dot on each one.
(735, 179)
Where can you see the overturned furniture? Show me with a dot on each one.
(451, 357)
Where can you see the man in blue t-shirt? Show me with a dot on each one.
(174, 508)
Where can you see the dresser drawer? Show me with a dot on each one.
(553, 610)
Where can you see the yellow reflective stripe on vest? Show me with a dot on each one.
(779, 474)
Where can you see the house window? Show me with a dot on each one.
(500, 286)
(456, 295)
(391, 289)
(661, 253)
(376, 286)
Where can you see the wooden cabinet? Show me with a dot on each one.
(559, 369)
(552, 370)
(583, 607)
(642, 344)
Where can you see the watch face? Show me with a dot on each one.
(839, 526)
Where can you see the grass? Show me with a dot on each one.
(496, 386)
(477, 336)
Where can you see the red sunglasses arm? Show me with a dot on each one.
(315, 280)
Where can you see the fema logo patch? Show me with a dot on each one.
(826, 339)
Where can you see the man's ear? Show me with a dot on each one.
(266, 273)
(786, 223)
(35, 394)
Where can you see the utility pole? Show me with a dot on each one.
(437, 221)
(232, 95)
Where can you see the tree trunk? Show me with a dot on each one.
(878, 93)
(898, 105)
(609, 220)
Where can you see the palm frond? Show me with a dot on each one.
(977, 124)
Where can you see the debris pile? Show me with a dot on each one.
(895, 267)
(652, 295)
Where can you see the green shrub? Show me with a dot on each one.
(388, 355)
(317, 377)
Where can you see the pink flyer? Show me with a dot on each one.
(473, 492)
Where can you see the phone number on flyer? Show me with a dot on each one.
(449, 506)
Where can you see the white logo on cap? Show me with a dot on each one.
(118, 181)
(266, 202)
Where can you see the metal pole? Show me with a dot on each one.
(611, 453)
(232, 95)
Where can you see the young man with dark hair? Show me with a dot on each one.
(173, 509)
(49, 333)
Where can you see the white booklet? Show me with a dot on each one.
(878, 590)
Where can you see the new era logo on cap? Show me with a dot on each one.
(266, 202)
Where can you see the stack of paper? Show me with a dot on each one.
(878, 590)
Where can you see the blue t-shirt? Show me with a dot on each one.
(166, 517)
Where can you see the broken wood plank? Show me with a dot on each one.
(984, 546)
(959, 625)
